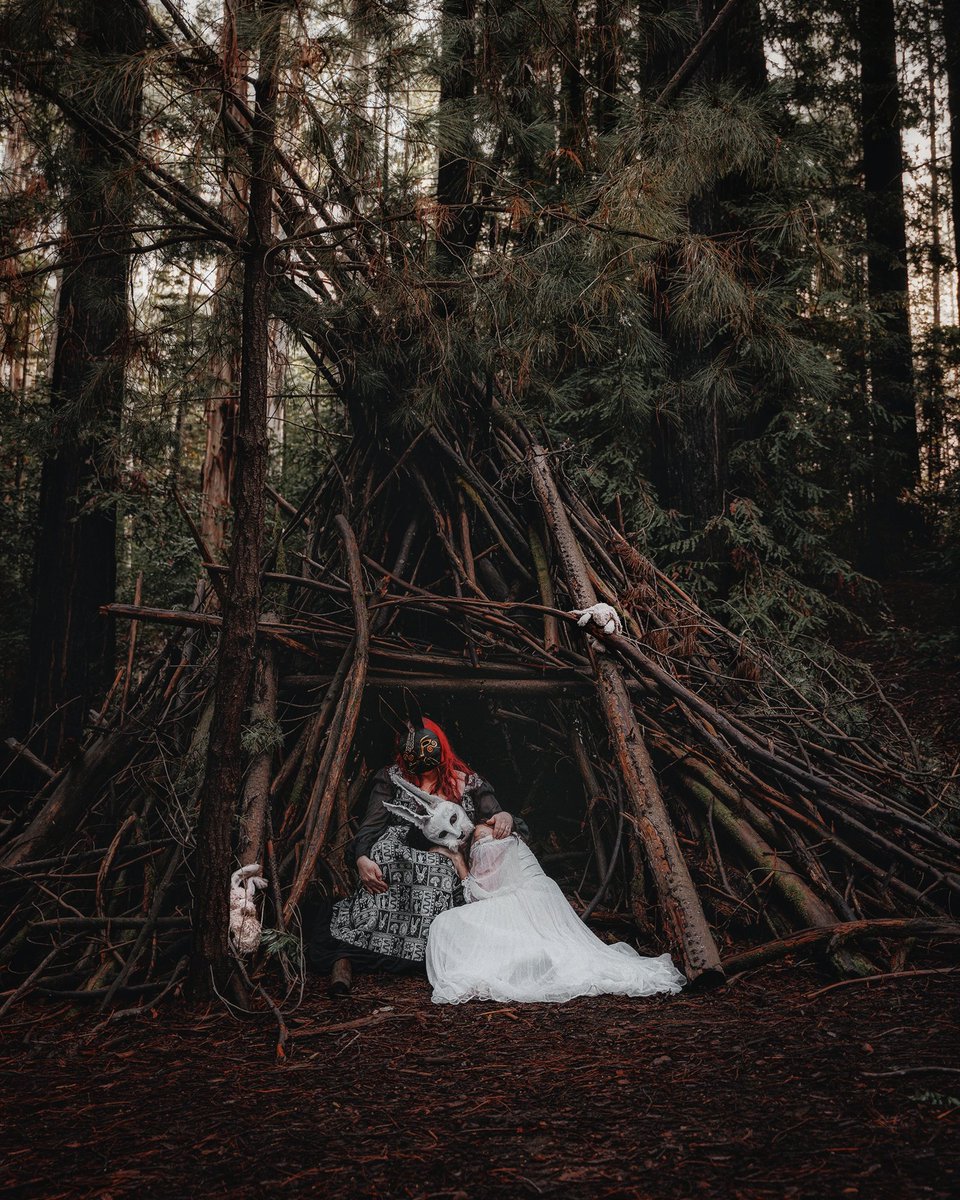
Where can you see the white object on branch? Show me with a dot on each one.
(244, 922)
(604, 615)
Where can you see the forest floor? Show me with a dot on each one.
(767, 1088)
(778, 1085)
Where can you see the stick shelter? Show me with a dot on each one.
(710, 803)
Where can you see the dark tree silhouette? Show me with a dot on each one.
(71, 647)
(895, 450)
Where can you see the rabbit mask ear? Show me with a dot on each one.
(414, 711)
(411, 808)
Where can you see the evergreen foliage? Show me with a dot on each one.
(630, 261)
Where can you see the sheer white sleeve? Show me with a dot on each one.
(494, 869)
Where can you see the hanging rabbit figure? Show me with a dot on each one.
(244, 920)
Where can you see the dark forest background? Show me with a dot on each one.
(725, 285)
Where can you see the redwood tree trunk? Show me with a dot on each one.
(71, 646)
(222, 385)
(950, 18)
(895, 450)
(220, 793)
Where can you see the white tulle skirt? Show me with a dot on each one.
(520, 941)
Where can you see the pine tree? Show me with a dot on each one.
(692, 453)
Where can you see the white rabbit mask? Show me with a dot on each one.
(441, 822)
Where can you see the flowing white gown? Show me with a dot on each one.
(518, 939)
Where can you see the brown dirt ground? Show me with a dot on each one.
(758, 1090)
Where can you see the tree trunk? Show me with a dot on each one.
(607, 65)
(256, 788)
(71, 646)
(223, 377)
(736, 54)
(895, 450)
(457, 222)
(235, 661)
(573, 123)
(950, 23)
(932, 392)
(683, 917)
(17, 316)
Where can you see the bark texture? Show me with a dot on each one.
(221, 788)
(950, 24)
(71, 648)
(894, 451)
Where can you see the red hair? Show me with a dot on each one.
(450, 786)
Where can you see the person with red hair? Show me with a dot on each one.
(404, 882)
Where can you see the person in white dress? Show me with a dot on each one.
(516, 939)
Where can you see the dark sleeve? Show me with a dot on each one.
(377, 818)
(485, 802)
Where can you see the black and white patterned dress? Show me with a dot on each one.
(420, 883)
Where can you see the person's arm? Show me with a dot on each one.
(374, 823)
(460, 866)
(489, 812)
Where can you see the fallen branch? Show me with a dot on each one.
(886, 975)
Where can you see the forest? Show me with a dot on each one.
(583, 377)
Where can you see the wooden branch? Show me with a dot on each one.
(156, 903)
(340, 737)
(696, 55)
(286, 634)
(106, 922)
(748, 742)
(683, 916)
(551, 634)
(70, 796)
(205, 555)
(885, 975)
(131, 647)
(807, 939)
(24, 752)
(477, 682)
(256, 787)
(313, 732)
(791, 889)
(357, 1023)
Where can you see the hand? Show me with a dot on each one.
(501, 823)
(455, 855)
(371, 877)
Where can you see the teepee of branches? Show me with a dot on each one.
(451, 566)
(441, 552)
